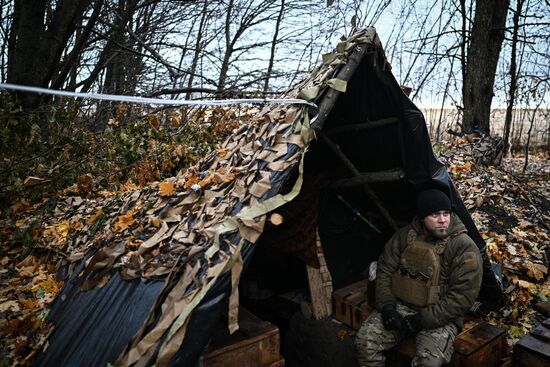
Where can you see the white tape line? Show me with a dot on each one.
(155, 101)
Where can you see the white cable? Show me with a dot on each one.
(154, 101)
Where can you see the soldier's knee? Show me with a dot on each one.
(370, 338)
(427, 359)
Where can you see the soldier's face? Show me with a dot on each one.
(438, 223)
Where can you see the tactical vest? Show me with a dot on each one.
(417, 280)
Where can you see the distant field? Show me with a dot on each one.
(521, 120)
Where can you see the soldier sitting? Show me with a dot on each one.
(428, 276)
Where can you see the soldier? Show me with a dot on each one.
(428, 276)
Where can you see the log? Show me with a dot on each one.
(329, 95)
(362, 126)
(369, 177)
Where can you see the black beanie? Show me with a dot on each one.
(431, 201)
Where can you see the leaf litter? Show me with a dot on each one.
(511, 209)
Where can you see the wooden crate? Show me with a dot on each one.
(533, 350)
(479, 344)
(349, 304)
(255, 344)
(482, 345)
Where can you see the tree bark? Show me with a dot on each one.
(228, 47)
(69, 64)
(36, 47)
(513, 78)
(273, 46)
(485, 45)
(199, 44)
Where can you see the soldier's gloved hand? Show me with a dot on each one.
(412, 324)
(391, 319)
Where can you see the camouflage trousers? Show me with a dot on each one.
(434, 347)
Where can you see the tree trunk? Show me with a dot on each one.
(438, 131)
(36, 47)
(70, 62)
(28, 24)
(199, 44)
(273, 45)
(228, 48)
(485, 45)
(513, 78)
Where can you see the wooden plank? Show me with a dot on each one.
(320, 281)
(391, 175)
(354, 127)
(317, 293)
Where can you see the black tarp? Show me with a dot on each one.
(374, 94)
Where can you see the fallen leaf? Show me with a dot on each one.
(19, 207)
(9, 306)
(94, 217)
(166, 188)
(59, 230)
(536, 271)
(461, 168)
(191, 180)
(85, 183)
(30, 260)
(125, 221)
(34, 181)
(128, 186)
(523, 283)
(175, 120)
(153, 121)
(28, 303)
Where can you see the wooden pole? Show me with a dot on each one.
(362, 126)
(369, 177)
(370, 193)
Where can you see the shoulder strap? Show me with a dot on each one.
(411, 236)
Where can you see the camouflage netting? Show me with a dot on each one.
(190, 230)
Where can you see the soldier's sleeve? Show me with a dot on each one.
(387, 265)
(464, 283)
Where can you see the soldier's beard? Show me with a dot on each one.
(440, 233)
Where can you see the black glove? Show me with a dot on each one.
(391, 319)
(412, 324)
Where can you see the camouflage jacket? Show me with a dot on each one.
(461, 272)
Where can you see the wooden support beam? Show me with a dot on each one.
(369, 177)
(370, 193)
(330, 96)
(362, 126)
(320, 286)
